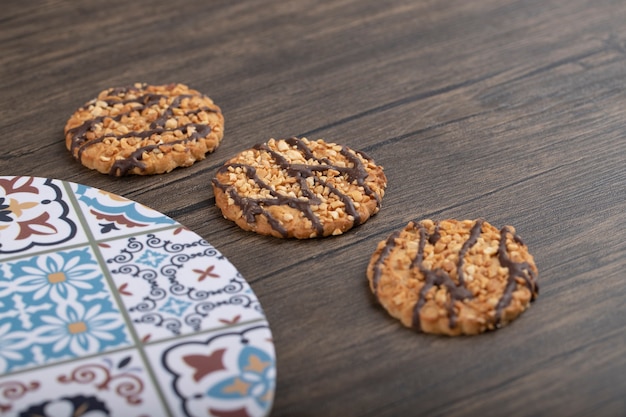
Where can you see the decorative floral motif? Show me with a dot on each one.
(56, 306)
(255, 378)
(160, 266)
(5, 215)
(78, 406)
(14, 390)
(151, 258)
(229, 374)
(124, 382)
(12, 344)
(120, 382)
(32, 214)
(110, 308)
(76, 331)
(110, 214)
(175, 307)
(57, 276)
(207, 273)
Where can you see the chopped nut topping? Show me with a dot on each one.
(445, 277)
(138, 118)
(334, 187)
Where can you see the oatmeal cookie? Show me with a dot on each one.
(144, 129)
(453, 277)
(299, 188)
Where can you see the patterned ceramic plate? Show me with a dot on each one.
(110, 308)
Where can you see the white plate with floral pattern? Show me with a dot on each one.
(110, 308)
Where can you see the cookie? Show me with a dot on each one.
(144, 129)
(299, 188)
(453, 277)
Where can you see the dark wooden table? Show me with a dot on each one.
(509, 110)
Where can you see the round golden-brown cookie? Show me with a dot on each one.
(144, 129)
(299, 188)
(453, 277)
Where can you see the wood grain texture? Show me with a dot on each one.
(509, 110)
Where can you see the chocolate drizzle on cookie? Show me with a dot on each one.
(438, 277)
(521, 270)
(252, 207)
(123, 166)
(389, 245)
(474, 234)
(518, 272)
(114, 96)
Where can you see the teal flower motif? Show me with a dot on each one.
(151, 258)
(58, 275)
(75, 331)
(256, 379)
(12, 346)
(175, 307)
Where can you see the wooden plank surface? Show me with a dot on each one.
(513, 111)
